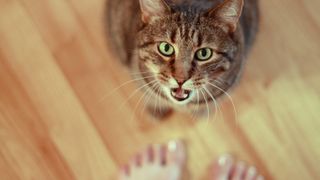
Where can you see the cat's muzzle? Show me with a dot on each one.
(180, 94)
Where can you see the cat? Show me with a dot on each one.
(185, 53)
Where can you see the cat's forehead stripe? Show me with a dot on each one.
(173, 35)
(187, 29)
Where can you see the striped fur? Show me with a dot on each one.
(188, 25)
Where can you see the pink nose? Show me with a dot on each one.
(180, 81)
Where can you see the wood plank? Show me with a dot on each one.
(56, 121)
(70, 126)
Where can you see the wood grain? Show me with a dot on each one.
(56, 121)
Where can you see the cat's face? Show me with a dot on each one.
(184, 55)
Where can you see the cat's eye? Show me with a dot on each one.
(166, 49)
(204, 54)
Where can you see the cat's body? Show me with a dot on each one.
(189, 28)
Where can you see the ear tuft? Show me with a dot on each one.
(229, 13)
(153, 9)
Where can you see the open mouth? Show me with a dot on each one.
(180, 94)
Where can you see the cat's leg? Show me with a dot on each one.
(226, 168)
(158, 162)
(209, 113)
(160, 112)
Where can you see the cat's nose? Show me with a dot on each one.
(180, 82)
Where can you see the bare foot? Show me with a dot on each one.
(157, 162)
(226, 168)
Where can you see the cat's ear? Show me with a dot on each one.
(229, 13)
(153, 9)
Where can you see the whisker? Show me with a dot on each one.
(157, 101)
(194, 114)
(230, 98)
(198, 100)
(141, 98)
(214, 101)
(122, 85)
(159, 97)
(149, 97)
(208, 110)
(221, 81)
(137, 73)
(135, 92)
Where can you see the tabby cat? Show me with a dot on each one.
(186, 53)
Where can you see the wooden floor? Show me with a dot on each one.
(55, 123)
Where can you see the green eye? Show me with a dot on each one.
(166, 49)
(204, 54)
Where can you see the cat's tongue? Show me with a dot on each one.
(180, 94)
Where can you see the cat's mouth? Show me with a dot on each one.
(180, 94)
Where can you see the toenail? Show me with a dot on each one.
(150, 152)
(126, 170)
(252, 171)
(172, 146)
(224, 160)
(163, 151)
(138, 160)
